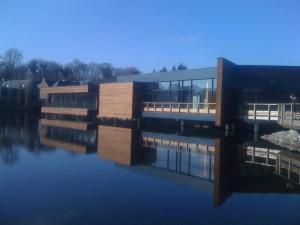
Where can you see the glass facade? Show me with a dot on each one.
(184, 91)
(76, 100)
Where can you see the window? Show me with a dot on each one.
(164, 86)
(187, 91)
(175, 91)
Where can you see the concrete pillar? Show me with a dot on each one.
(181, 126)
(255, 132)
(138, 123)
(227, 130)
(232, 127)
(256, 128)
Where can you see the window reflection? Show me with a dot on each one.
(187, 91)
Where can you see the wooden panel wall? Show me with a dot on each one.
(116, 100)
(115, 143)
(120, 100)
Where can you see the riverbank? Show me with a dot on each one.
(289, 139)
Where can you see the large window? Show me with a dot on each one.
(161, 92)
(176, 91)
(76, 100)
(202, 91)
(187, 91)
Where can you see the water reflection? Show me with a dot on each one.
(119, 144)
(64, 135)
(273, 160)
(16, 131)
(210, 164)
(217, 165)
(186, 160)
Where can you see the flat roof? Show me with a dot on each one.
(191, 74)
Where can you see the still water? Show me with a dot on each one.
(52, 174)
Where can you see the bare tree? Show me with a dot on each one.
(78, 69)
(94, 71)
(10, 60)
(12, 57)
(49, 70)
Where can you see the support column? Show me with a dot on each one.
(232, 126)
(138, 123)
(182, 126)
(227, 130)
(256, 131)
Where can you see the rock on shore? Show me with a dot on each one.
(287, 139)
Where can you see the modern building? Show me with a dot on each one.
(76, 103)
(18, 94)
(225, 94)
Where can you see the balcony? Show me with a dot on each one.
(188, 108)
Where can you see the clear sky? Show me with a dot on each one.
(153, 33)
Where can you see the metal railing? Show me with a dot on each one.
(289, 114)
(283, 113)
(261, 111)
(195, 108)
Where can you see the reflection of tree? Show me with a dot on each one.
(9, 154)
(18, 131)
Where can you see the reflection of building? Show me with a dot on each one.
(256, 168)
(189, 161)
(184, 155)
(213, 165)
(80, 139)
(118, 144)
(283, 163)
(16, 130)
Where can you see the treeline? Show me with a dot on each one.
(181, 66)
(12, 67)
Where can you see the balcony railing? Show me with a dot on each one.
(262, 111)
(193, 108)
(287, 114)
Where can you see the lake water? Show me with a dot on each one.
(118, 175)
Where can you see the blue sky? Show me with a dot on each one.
(153, 33)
